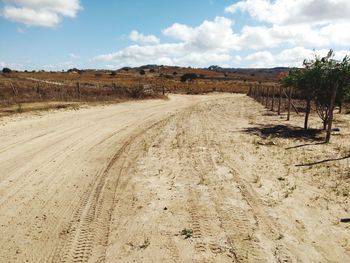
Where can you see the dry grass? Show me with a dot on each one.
(21, 91)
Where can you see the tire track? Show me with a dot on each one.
(233, 217)
(87, 235)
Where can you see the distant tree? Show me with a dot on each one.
(174, 73)
(188, 77)
(113, 73)
(6, 70)
(72, 70)
(142, 72)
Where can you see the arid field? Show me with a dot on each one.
(194, 178)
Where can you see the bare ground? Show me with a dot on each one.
(192, 179)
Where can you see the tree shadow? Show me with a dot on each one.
(285, 131)
(324, 161)
(305, 144)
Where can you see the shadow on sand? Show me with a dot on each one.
(285, 131)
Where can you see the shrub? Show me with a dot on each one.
(188, 77)
(6, 70)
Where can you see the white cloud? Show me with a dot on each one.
(165, 54)
(138, 37)
(260, 59)
(293, 11)
(215, 42)
(309, 23)
(46, 13)
(14, 66)
(210, 35)
(292, 57)
(258, 37)
(197, 46)
(73, 56)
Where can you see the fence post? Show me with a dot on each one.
(273, 98)
(14, 90)
(267, 96)
(250, 91)
(78, 90)
(255, 92)
(289, 102)
(279, 101)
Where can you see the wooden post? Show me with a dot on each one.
(331, 109)
(78, 90)
(256, 93)
(289, 102)
(250, 91)
(267, 96)
(273, 98)
(279, 101)
(14, 90)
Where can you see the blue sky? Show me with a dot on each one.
(61, 34)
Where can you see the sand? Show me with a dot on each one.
(187, 179)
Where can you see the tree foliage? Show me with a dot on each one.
(6, 70)
(188, 77)
(324, 80)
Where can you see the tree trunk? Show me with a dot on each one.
(331, 109)
(340, 107)
(307, 113)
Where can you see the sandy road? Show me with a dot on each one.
(128, 182)
(54, 173)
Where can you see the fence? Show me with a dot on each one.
(274, 98)
(14, 91)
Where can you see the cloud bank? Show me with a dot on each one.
(45, 13)
(284, 32)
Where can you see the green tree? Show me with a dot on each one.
(6, 70)
(324, 80)
(188, 77)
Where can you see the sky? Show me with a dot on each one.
(106, 34)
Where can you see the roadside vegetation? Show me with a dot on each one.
(326, 82)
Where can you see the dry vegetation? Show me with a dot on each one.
(19, 90)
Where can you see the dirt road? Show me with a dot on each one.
(159, 181)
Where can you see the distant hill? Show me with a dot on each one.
(212, 72)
